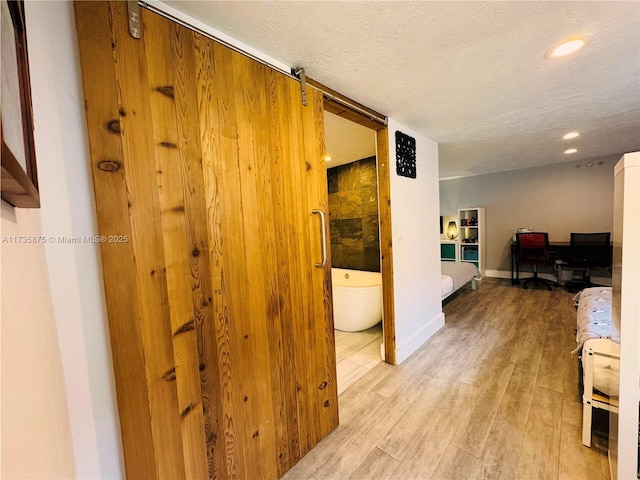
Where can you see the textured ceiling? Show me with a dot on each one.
(469, 75)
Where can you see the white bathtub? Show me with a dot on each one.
(357, 299)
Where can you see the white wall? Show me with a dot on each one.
(558, 199)
(74, 284)
(36, 435)
(416, 251)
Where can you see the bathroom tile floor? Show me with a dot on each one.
(356, 354)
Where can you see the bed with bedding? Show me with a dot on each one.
(599, 355)
(454, 275)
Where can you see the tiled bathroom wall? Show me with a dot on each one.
(353, 215)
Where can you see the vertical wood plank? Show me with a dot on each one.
(323, 362)
(191, 138)
(288, 301)
(298, 258)
(146, 226)
(292, 307)
(262, 257)
(219, 148)
(305, 340)
(176, 158)
(95, 40)
(235, 263)
(252, 129)
(386, 244)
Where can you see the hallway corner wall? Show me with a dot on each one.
(416, 251)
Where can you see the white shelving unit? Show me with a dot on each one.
(472, 237)
(623, 428)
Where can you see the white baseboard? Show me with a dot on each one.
(405, 348)
(497, 274)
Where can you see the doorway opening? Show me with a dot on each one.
(354, 223)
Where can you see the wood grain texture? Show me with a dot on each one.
(252, 129)
(324, 369)
(291, 245)
(576, 461)
(221, 185)
(551, 371)
(190, 142)
(296, 201)
(176, 159)
(280, 385)
(377, 465)
(360, 444)
(386, 245)
(487, 420)
(482, 408)
(215, 165)
(148, 242)
(362, 117)
(286, 304)
(457, 463)
(95, 40)
(540, 453)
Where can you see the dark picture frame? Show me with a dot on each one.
(19, 178)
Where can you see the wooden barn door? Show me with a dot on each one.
(207, 168)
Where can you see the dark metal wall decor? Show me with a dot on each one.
(405, 155)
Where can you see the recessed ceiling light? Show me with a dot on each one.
(570, 151)
(567, 46)
(571, 135)
(328, 158)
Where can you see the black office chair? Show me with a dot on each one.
(533, 249)
(589, 250)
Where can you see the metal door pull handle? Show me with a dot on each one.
(323, 226)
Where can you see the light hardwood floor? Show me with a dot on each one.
(356, 354)
(493, 395)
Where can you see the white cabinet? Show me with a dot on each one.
(623, 428)
(472, 237)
